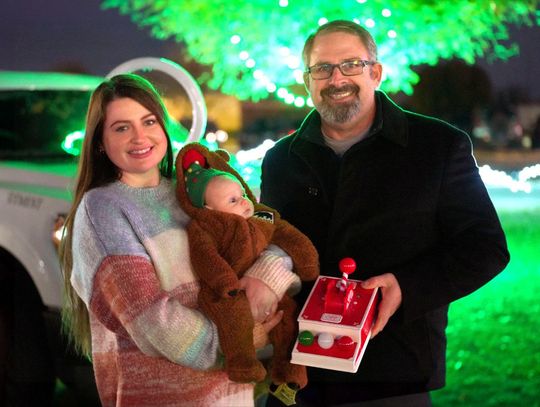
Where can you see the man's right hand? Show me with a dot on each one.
(391, 299)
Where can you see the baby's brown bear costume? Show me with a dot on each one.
(222, 247)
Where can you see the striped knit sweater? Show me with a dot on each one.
(150, 345)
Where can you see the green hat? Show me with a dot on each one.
(197, 178)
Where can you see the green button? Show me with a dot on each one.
(306, 338)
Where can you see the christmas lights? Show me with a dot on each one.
(248, 162)
(254, 46)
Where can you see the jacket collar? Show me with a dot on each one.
(390, 122)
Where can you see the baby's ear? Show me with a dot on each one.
(223, 154)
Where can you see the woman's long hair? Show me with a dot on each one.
(96, 169)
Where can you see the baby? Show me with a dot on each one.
(227, 233)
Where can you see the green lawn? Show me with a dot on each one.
(494, 334)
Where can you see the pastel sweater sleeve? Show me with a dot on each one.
(120, 286)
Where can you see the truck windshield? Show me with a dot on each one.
(34, 124)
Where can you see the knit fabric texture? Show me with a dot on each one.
(150, 345)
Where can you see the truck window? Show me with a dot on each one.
(33, 124)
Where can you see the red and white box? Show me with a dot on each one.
(335, 324)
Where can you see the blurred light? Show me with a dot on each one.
(235, 39)
(211, 137)
(289, 99)
(299, 76)
(293, 62)
(495, 178)
(257, 153)
(284, 51)
(282, 92)
(222, 136)
(68, 144)
(528, 173)
(177, 145)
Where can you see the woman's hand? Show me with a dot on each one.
(390, 302)
(260, 331)
(262, 300)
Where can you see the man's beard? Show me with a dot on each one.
(342, 112)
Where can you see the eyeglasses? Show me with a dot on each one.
(351, 67)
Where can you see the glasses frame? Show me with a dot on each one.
(362, 62)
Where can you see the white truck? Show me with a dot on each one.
(39, 114)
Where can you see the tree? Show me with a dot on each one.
(452, 91)
(254, 46)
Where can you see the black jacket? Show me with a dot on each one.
(407, 200)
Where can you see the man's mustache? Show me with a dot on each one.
(331, 89)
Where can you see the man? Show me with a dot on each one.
(398, 192)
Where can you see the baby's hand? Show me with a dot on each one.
(260, 331)
(262, 300)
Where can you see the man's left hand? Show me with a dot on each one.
(390, 302)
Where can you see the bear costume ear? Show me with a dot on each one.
(223, 154)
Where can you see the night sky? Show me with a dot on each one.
(47, 35)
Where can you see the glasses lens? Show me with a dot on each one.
(322, 71)
(352, 67)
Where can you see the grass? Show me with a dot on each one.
(493, 344)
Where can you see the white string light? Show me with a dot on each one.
(498, 178)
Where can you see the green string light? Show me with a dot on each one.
(72, 143)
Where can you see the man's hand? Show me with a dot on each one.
(391, 299)
(262, 300)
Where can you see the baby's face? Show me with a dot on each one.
(226, 195)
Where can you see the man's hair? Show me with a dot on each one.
(344, 26)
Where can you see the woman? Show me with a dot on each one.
(131, 292)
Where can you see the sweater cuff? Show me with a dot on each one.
(273, 271)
